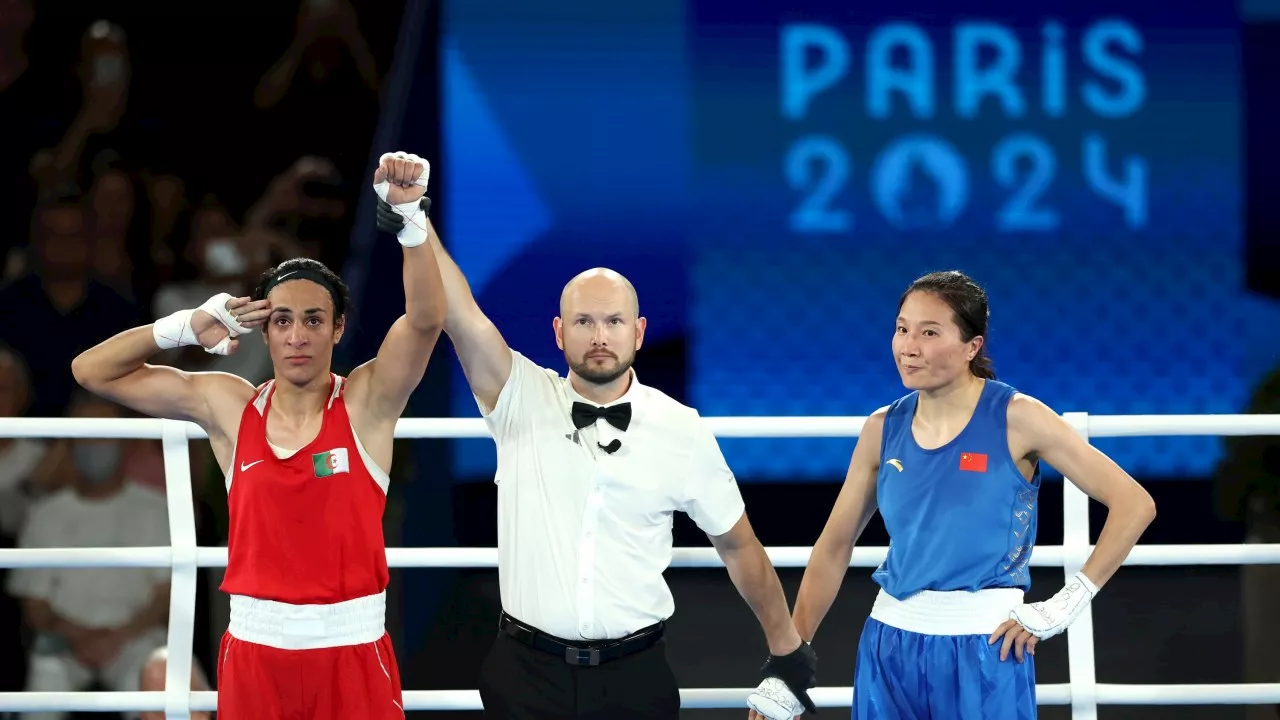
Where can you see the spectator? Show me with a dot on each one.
(105, 72)
(58, 307)
(15, 19)
(216, 250)
(328, 71)
(166, 195)
(23, 470)
(93, 624)
(299, 201)
(112, 197)
(153, 677)
(143, 461)
(24, 462)
(24, 104)
(328, 33)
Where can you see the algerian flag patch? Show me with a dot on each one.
(331, 463)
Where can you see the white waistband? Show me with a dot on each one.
(930, 612)
(307, 627)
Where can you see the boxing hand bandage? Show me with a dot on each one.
(773, 700)
(414, 231)
(387, 220)
(787, 679)
(1050, 617)
(175, 330)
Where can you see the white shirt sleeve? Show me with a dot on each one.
(712, 497)
(504, 417)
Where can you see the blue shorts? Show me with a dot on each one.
(901, 675)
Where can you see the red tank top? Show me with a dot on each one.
(306, 528)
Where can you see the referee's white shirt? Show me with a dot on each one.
(584, 536)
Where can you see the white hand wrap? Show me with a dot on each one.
(1051, 617)
(175, 330)
(414, 232)
(774, 700)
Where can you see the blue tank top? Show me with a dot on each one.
(960, 517)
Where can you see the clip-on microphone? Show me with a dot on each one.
(612, 447)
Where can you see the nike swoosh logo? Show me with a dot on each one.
(244, 467)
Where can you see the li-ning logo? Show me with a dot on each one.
(895, 462)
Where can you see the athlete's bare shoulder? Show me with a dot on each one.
(1029, 415)
(873, 428)
(225, 397)
(1033, 426)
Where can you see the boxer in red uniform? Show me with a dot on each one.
(306, 458)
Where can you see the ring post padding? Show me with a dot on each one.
(182, 594)
(1075, 551)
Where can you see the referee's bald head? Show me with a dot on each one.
(598, 286)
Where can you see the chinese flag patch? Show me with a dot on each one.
(973, 462)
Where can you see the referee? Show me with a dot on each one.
(591, 467)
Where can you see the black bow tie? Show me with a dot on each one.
(618, 415)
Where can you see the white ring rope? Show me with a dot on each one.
(783, 557)
(1082, 692)
(1095, 426)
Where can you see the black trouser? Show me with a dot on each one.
(518, 682)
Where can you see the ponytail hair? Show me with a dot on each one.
(981, 366)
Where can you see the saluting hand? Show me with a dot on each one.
(248, 313)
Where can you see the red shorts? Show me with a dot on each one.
(258, 682)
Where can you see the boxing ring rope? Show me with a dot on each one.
(1082, 692)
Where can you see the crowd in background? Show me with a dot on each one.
(155, 156)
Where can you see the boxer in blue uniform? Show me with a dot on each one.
(954, 468)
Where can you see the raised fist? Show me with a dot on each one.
(405, 178)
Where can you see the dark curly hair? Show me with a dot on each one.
(306, 269)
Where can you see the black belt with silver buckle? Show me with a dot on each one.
(586, 652)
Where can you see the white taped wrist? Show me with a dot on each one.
(1053, 616)
(174, 330)
(1087, 583)
(414, 232)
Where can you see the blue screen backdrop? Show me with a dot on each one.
(771, 176)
